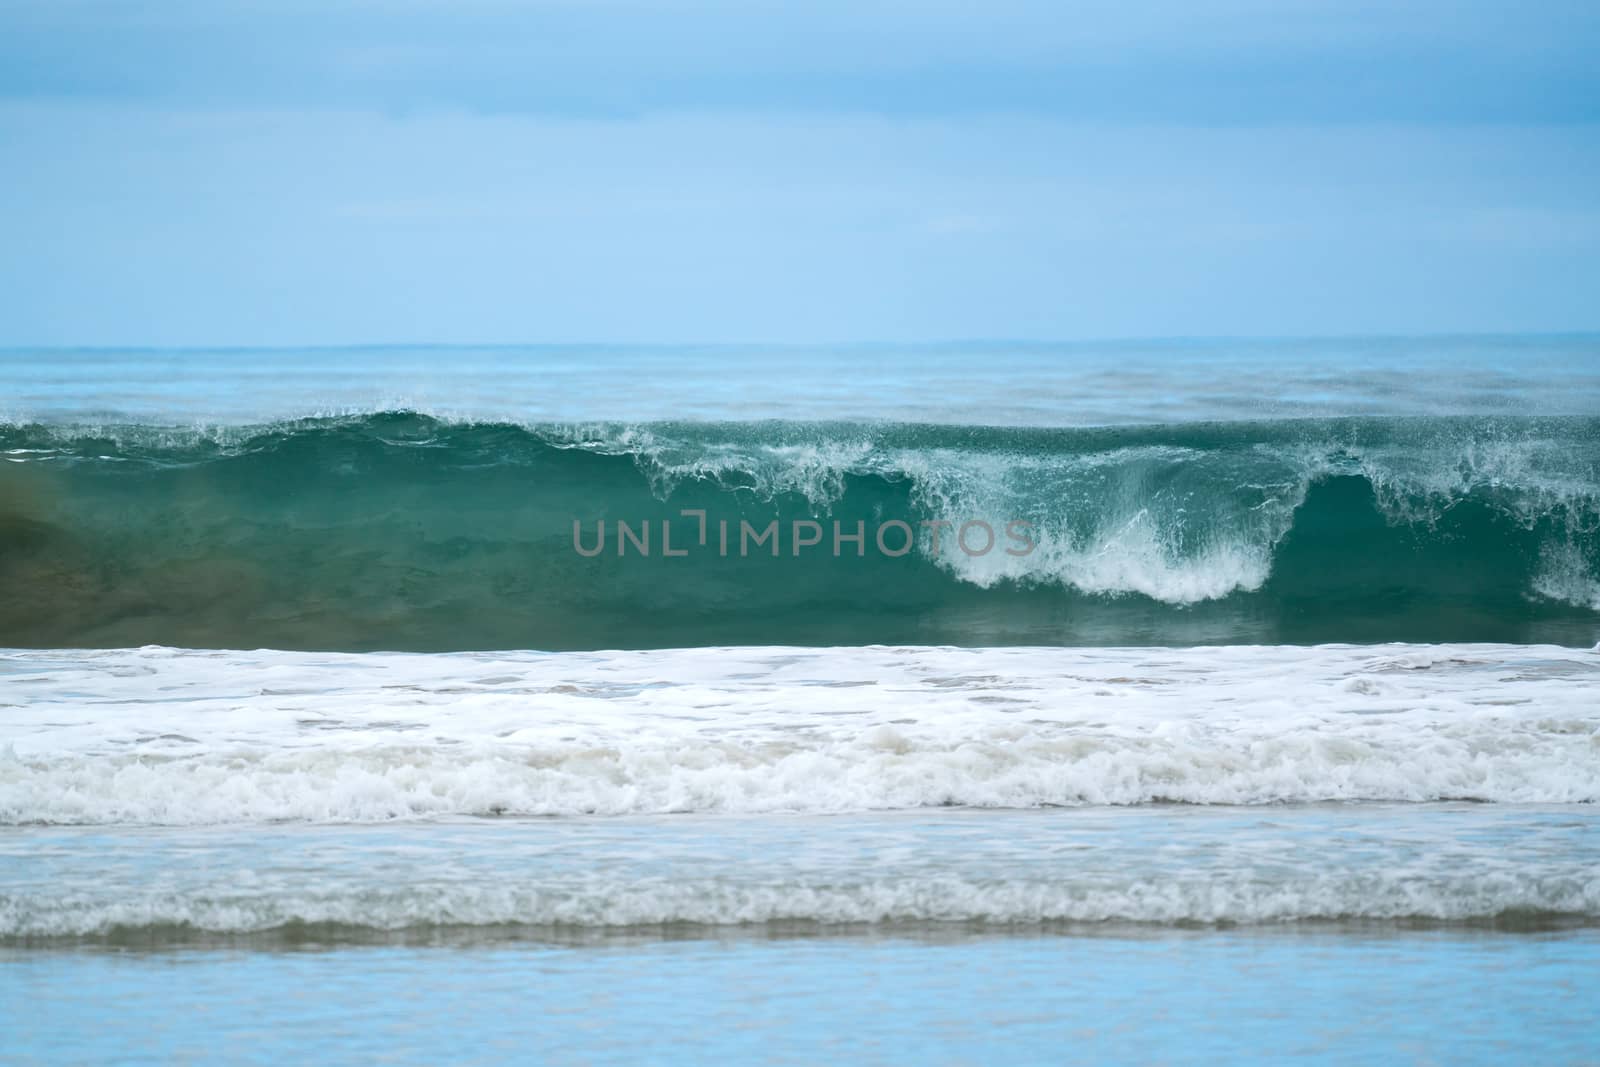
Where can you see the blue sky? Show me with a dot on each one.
(229, 172)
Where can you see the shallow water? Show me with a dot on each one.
(1442, 997)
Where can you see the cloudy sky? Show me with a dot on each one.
(236, 173)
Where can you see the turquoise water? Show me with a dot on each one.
(403, 531)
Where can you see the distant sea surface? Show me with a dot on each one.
(337, 720)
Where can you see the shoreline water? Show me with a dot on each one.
(1178, 998)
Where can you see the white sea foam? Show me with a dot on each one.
(1453, 863)
(987, 901)
(1566, 576)
(174, 737)
(1450, 863)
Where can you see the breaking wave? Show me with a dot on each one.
(404, 531)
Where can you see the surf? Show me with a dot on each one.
(161, 736)
(398, 530)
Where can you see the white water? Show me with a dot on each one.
(178, 737)
(1442, 863)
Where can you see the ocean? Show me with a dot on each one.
(1154, 702)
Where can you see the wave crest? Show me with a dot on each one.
(441, 535)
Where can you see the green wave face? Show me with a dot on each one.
(400, 531)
